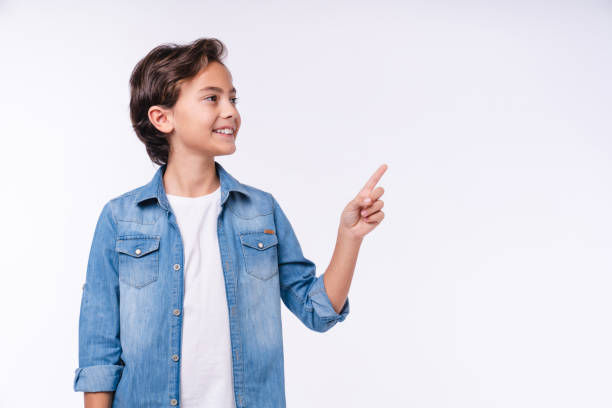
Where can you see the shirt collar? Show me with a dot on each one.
(155, 188)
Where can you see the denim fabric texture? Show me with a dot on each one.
(131, 307)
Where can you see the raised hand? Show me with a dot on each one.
(361, 216)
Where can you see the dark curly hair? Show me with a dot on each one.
(156, 80)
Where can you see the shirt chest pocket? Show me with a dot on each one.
(259, 250)
(138, 259)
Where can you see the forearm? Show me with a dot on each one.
(339, 274)
(99, 399)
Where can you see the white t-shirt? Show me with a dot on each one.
(206, 378)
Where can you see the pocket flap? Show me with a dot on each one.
(137, 246)
(258, 240)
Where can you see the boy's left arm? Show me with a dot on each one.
(360, 216)
(322, 301)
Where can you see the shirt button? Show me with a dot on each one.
(137, 251)
(175, 357)
(177, 267)
(260, 245)
(173, 401)
(177, 312)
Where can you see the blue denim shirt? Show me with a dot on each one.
(131, 308)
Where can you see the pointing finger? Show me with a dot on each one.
(367, 188)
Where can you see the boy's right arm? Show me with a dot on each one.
(100, 365)
(98, 399)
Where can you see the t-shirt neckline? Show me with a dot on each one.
(202, 197)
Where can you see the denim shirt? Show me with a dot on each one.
(131, 307)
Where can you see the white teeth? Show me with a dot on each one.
(226, 131)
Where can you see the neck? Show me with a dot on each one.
(191, 178)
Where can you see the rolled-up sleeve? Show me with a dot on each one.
(100, 365)
(301, 290)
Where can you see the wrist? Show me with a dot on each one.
(346, 234)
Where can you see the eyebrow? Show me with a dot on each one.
(216, 89)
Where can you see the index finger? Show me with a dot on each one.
(369, 186)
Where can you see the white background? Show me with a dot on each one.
(488, 282)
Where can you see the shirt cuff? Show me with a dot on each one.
(97, 378)
(322, 305)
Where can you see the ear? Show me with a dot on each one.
(161, 118)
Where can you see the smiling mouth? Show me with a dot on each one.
(228, 137)
(225, 132)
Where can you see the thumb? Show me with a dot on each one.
(358, 202)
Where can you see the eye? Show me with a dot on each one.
(234, 100)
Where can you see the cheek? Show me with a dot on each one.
(195, 118)
(203, 120)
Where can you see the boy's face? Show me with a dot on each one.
(199, 111)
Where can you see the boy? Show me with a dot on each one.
(181, 304)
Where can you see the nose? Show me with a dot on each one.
(229, 110)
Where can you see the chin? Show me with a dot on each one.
(225, 152)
